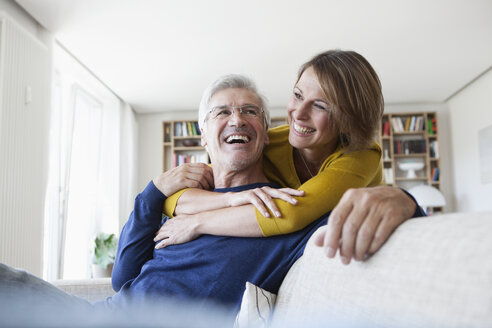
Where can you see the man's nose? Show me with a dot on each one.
(236, 118)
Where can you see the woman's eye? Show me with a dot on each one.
(297, 95)
(320, 107)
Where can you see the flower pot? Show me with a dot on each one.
(99, 272)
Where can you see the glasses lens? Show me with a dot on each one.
(250, 110)
(221, 112)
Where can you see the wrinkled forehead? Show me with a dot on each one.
(234, 97)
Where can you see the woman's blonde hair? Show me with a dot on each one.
(351, 84)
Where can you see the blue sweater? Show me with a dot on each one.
(209, 268)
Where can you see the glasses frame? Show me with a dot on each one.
(240, 108)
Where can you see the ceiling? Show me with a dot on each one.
(160, 55)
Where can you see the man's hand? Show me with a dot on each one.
(178, 230)
(363, 220)
(195, 175)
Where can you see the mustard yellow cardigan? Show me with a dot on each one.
(339, 172)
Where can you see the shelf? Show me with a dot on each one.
(405, 133)
(411, 179)
(410, 155)
(188, 137)
(189, 148)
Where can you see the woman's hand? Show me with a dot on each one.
(191, 175)
(178, 230)
(262, 198)
(363, 220)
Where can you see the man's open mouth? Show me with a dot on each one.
(234, 139)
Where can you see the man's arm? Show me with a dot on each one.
(136, 245)
(364, 219)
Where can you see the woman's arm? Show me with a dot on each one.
(239, 221)
(193, 201)
(322, 192)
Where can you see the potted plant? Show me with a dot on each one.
(104, 255)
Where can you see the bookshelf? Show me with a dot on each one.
(181, 142)
(410, 143)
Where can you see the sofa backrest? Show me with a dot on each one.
(433, 271)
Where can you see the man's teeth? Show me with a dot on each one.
(234, 138)
(301, 129)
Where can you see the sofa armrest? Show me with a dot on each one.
(433, 272)
(88, 289)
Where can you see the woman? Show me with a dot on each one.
(327, 148)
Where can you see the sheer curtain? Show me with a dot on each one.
(83, 195)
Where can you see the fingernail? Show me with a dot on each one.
(345, 260)
(294, 200)
(277, 214)
(330, 252)
(266, 214)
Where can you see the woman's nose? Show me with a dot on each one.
(301, 111)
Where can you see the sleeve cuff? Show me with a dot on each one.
(153, 195)
(268, 226)
(419, 212)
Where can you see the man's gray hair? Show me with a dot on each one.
(227, 82)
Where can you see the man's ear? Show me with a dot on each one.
(203, 138)
(267, 139)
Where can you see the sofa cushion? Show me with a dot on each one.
(433, 271)
(88, 289)
(256, 307)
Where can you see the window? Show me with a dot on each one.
(83, 189)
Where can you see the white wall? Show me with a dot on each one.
(444, 130)
(471, 111)
(25, 51)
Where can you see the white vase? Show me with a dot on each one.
(99, 272)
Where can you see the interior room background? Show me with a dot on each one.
(36, 159)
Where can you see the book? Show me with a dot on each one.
(178, 130)
(407, 124)
(386, 128)
(429, 127)
(435, 174)
(184, 127)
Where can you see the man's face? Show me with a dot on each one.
(235, 142)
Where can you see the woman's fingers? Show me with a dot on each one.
(290, 191)
(268, 201)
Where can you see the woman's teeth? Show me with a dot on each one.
(302, 129)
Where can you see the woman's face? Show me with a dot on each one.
(310, 116)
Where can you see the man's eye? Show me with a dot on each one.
(250, 110)
(223, 112)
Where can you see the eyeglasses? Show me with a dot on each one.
(226, 111)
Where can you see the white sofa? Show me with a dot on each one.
(434, 271)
